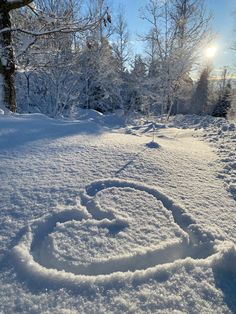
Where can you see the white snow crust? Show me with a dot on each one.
(95, 219)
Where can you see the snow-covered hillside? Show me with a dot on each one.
(95, 218)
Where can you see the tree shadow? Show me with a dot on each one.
(226, 282)
(17, 131)
(130, 162)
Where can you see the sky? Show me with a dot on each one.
(222, 24)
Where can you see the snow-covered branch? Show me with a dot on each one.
(65, 29)
(14, 4)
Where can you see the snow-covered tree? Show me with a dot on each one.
(100, 81)
(120, 45)
(232, 111)
(52, 24)
(135, 85)
(178, 28)
(224, 102)
(201, 94)
(153, 61)
(7, 62)
(50, 67)
(139, 69)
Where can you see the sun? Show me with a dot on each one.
(211, 52)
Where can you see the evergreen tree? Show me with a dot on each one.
(224, 103)
(100, 81)
(136, 85)
(200, 97)
(139, 67)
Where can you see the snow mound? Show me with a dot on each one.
(222, 134)
(86, 114)
(144, 127)
(4, 110)
(196, 121)
(226, 259)
(103, 238)
(115, 119)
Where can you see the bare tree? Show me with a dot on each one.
(178, 28)
(96, 8)
(121, 41)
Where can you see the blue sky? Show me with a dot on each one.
(223, 23)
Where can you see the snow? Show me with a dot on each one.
(97, 217)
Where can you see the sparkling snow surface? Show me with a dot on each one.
(99, 219)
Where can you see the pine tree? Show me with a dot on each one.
(200, 97)
(224, 103)
(136, 85)
(100, 81)
(139, 68)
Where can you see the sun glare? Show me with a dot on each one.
(211, 52)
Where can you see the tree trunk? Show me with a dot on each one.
(169, 107)
(7, 64)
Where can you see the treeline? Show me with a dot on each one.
(95, 68)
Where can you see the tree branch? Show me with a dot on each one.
(71, 28)
(14, 4)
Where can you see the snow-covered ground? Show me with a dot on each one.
(95, 218)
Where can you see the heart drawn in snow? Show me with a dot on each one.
(119, 227)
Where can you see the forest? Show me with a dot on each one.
(58, 56)
(117, 157)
